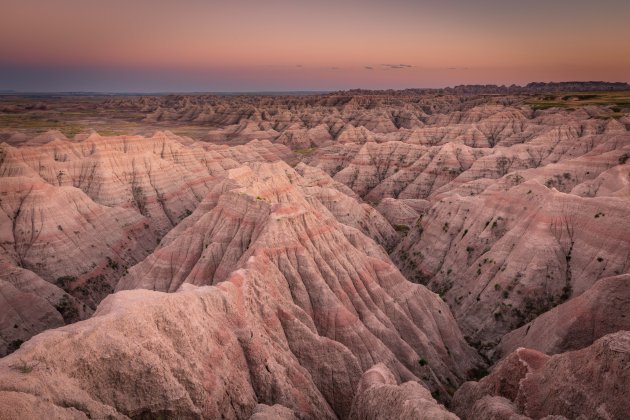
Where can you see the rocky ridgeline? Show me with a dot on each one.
(422, 240)
(76, 216)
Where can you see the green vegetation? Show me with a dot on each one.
(64, 281)
(305, 152)
(401, 228)
(112, 264)
(39, 124)
(616, 101)
(24, 367)
(423, 361)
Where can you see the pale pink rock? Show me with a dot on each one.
(379, 396)
(602, 309)
(589, 383)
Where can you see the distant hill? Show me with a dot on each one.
(496, 89)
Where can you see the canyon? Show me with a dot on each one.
(456, 253)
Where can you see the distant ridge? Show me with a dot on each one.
(532, 87)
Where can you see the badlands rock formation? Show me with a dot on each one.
(379, 396)
(350, 255)
(75, 216)
(591, 383)
(602, 309)
(301, 302)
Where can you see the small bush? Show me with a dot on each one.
(64, 281)
(422, 361)
(624, 158)
(112, 264)
(24, 367)
(401, 228)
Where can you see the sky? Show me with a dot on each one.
(283, 45)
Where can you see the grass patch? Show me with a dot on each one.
(305, 152)
(39, 124)
(616, 100)
(24, 367)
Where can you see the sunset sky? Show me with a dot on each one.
(270, 45)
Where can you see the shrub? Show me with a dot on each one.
(24, 367)
(64, 281)
(401, 228)
(423, 361)
(112, 264)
